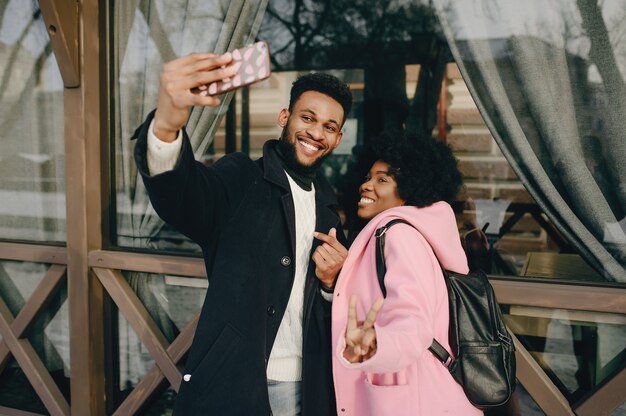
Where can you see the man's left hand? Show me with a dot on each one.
(328, 257)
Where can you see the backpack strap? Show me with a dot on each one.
(381, 268)
(435, 348)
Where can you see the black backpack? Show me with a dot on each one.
(485, 356)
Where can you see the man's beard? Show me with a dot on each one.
(288, 151)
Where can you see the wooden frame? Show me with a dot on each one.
(14, 342)
(166, 356)
(62, 18)
(537, 383)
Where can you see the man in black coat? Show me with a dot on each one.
(263, 339)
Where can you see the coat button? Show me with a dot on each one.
(285, 261)
(187, 377)
(271, 310)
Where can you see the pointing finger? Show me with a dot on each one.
(331, 240)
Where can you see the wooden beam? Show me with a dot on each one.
(38, 301)
(560, 296)
(33, 253)
(140, 320)
(150, 263)
(61, 19)
(538, 384)
(6, 411)
(34, 370)
(86, 178)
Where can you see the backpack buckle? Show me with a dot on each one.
(381, 231)
(450, 363)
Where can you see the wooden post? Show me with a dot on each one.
(78, 37)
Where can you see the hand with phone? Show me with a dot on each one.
(175, 96)
(252, 64)
(193, 80)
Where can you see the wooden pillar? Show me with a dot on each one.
(78, 33)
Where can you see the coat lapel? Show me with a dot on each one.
(273, 172)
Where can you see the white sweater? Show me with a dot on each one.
(285, 363)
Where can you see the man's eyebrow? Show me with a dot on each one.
(308, 110)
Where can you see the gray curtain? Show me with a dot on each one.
(149, 33)
(32, 188)
(548, 78)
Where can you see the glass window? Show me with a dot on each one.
(147, 34)
(549, 79)
(32, 186)
(579, 350)
(47, 334)
(142, 45)
(510, 226)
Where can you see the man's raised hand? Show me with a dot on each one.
(182, 85)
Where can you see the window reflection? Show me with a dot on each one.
(579, 350)
(47, 334)
(549, 79)
(32, 188)
(510, 232)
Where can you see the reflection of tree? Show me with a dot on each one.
(308, 20)
(381, 37)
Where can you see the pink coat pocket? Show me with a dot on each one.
(388, 400)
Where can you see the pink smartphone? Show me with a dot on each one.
(253, 65)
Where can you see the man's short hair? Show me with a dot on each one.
(326, 84)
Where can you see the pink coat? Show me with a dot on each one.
(403, 377)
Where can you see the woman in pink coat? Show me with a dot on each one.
(382, 366)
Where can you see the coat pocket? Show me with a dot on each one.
(388, 400)
(209, 368)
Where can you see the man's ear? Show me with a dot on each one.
(283, 116)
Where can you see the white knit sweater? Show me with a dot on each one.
(285, 362)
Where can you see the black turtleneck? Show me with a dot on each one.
(301, 175)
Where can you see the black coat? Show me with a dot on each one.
(241, 213)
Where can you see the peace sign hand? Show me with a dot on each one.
(361, 337)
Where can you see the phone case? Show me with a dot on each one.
(253, 65)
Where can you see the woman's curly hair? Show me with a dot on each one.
(424, 168)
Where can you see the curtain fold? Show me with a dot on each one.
(530, 71)
(32, 186)
(149, 33)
